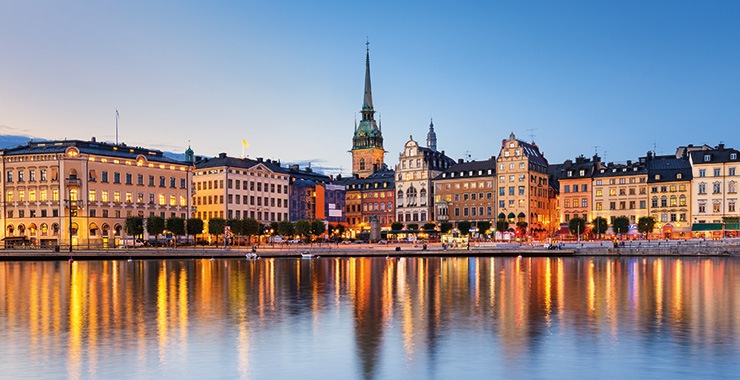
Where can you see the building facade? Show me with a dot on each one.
(621, 190)
(240, 188)
(80, 192)
(575, 181)
(669, 183)
(466, 191)
(367, 198)
(714, 188)
(523, 187)
(416, 168)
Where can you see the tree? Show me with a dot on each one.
(502, 225)
(522, 226)
(336, 229)
(235, 226)
(483, 227)
(463, 227)
(216, 227)
(285, 228)
(599, 225)
(134, 225)
(155, 225)
(412, 226)
(250, 227)
(396, 226)
(621, 225)
(302, 227)
(176, 226)
(645, 225)
(577, 226)
(445, 227)
(193, 227)
(429, 227)
(317, 227)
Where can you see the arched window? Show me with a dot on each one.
(673, 201)
(663, 201)
(32, 229)
(21, 230)
(423, 197)
(11, 229)
(682, 200)
(93, 229)
(702, 188)
(117, 228)
(75, 227)
(732, 187)
(362, 164)
(55, 229)
(411, 195)
(654, 202)
(44, 229)
(105, 229)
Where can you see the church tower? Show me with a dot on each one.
(367, 142)
(432, 137)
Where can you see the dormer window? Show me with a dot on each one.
(657, 177)
(679, 176)
(733, 156)
(570, 173)
(581, 173)
(707, 157)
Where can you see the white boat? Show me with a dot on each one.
(252, 256)
(308, 255)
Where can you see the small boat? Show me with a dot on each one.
(252, 256)
(308, 255)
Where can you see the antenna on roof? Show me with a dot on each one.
(531, 133)
(467, 155)
(596, 150)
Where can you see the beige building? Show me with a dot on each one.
(669, 183)
(523, 187)
(621, 190)
(416, 168)
(466, 191)
(55, 192)
(240, 188)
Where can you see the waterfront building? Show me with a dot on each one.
(714, 188)
(307, 193)
(367, 151)
(240, 188)
(368, 198)
(80, 192)
(574, 180)
(416, 168)
(621, 190)
(669, 182)
(466, 191)
(523, 187)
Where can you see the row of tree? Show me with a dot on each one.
(463, 227)
(620, 225)
(156, 226)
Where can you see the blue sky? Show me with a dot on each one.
(626, 76)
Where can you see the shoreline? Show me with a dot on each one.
(717, 250)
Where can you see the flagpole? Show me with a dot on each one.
(116, 126)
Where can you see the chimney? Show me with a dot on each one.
(460, 161)
(222, 155)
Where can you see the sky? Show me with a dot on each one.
(578, 77)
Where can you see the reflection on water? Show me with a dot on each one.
(371, 318)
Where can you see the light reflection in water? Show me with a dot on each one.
(369, 318)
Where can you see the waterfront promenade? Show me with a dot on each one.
(695, 247)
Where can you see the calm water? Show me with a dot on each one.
(372, 318)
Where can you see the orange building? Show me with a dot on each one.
(466, 191)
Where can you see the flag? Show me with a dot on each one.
(245, 144)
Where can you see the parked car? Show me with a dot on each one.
(276, 239)
(294, 241)
(130, 242)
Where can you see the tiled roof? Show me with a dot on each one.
(464, 169)
(92, 147)
(667, 169)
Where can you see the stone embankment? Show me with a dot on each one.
(488, 249)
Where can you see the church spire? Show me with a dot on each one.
(431, 137)
(367, 102)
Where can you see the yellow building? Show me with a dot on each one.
(240, 188)
(621, 190)
(669, 182)
(523, 187)
(55, 192)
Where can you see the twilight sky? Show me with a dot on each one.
(287, 76)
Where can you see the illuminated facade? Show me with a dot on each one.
(466, 191)
(240, 188)
(714, 189)
(416, 168)
(369, 197)
(88, 187)
(574, 179)
(367, 143)
(621, 190)
(523, 185)
(669, 182)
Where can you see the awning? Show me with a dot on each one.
(706, 227)
(732, 226)
(563, 231)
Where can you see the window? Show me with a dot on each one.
(717, 172)
(702, 188)
(140, 179)
(733, 156)
(584, 202)
(129, 179)
(116, 177)
(21, 177)
(716, 188)
(707, 157)
(702, 172)
(43, 174)
(566, 189)
(731, 171)
(104, 176)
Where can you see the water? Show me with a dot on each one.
(371, 318)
